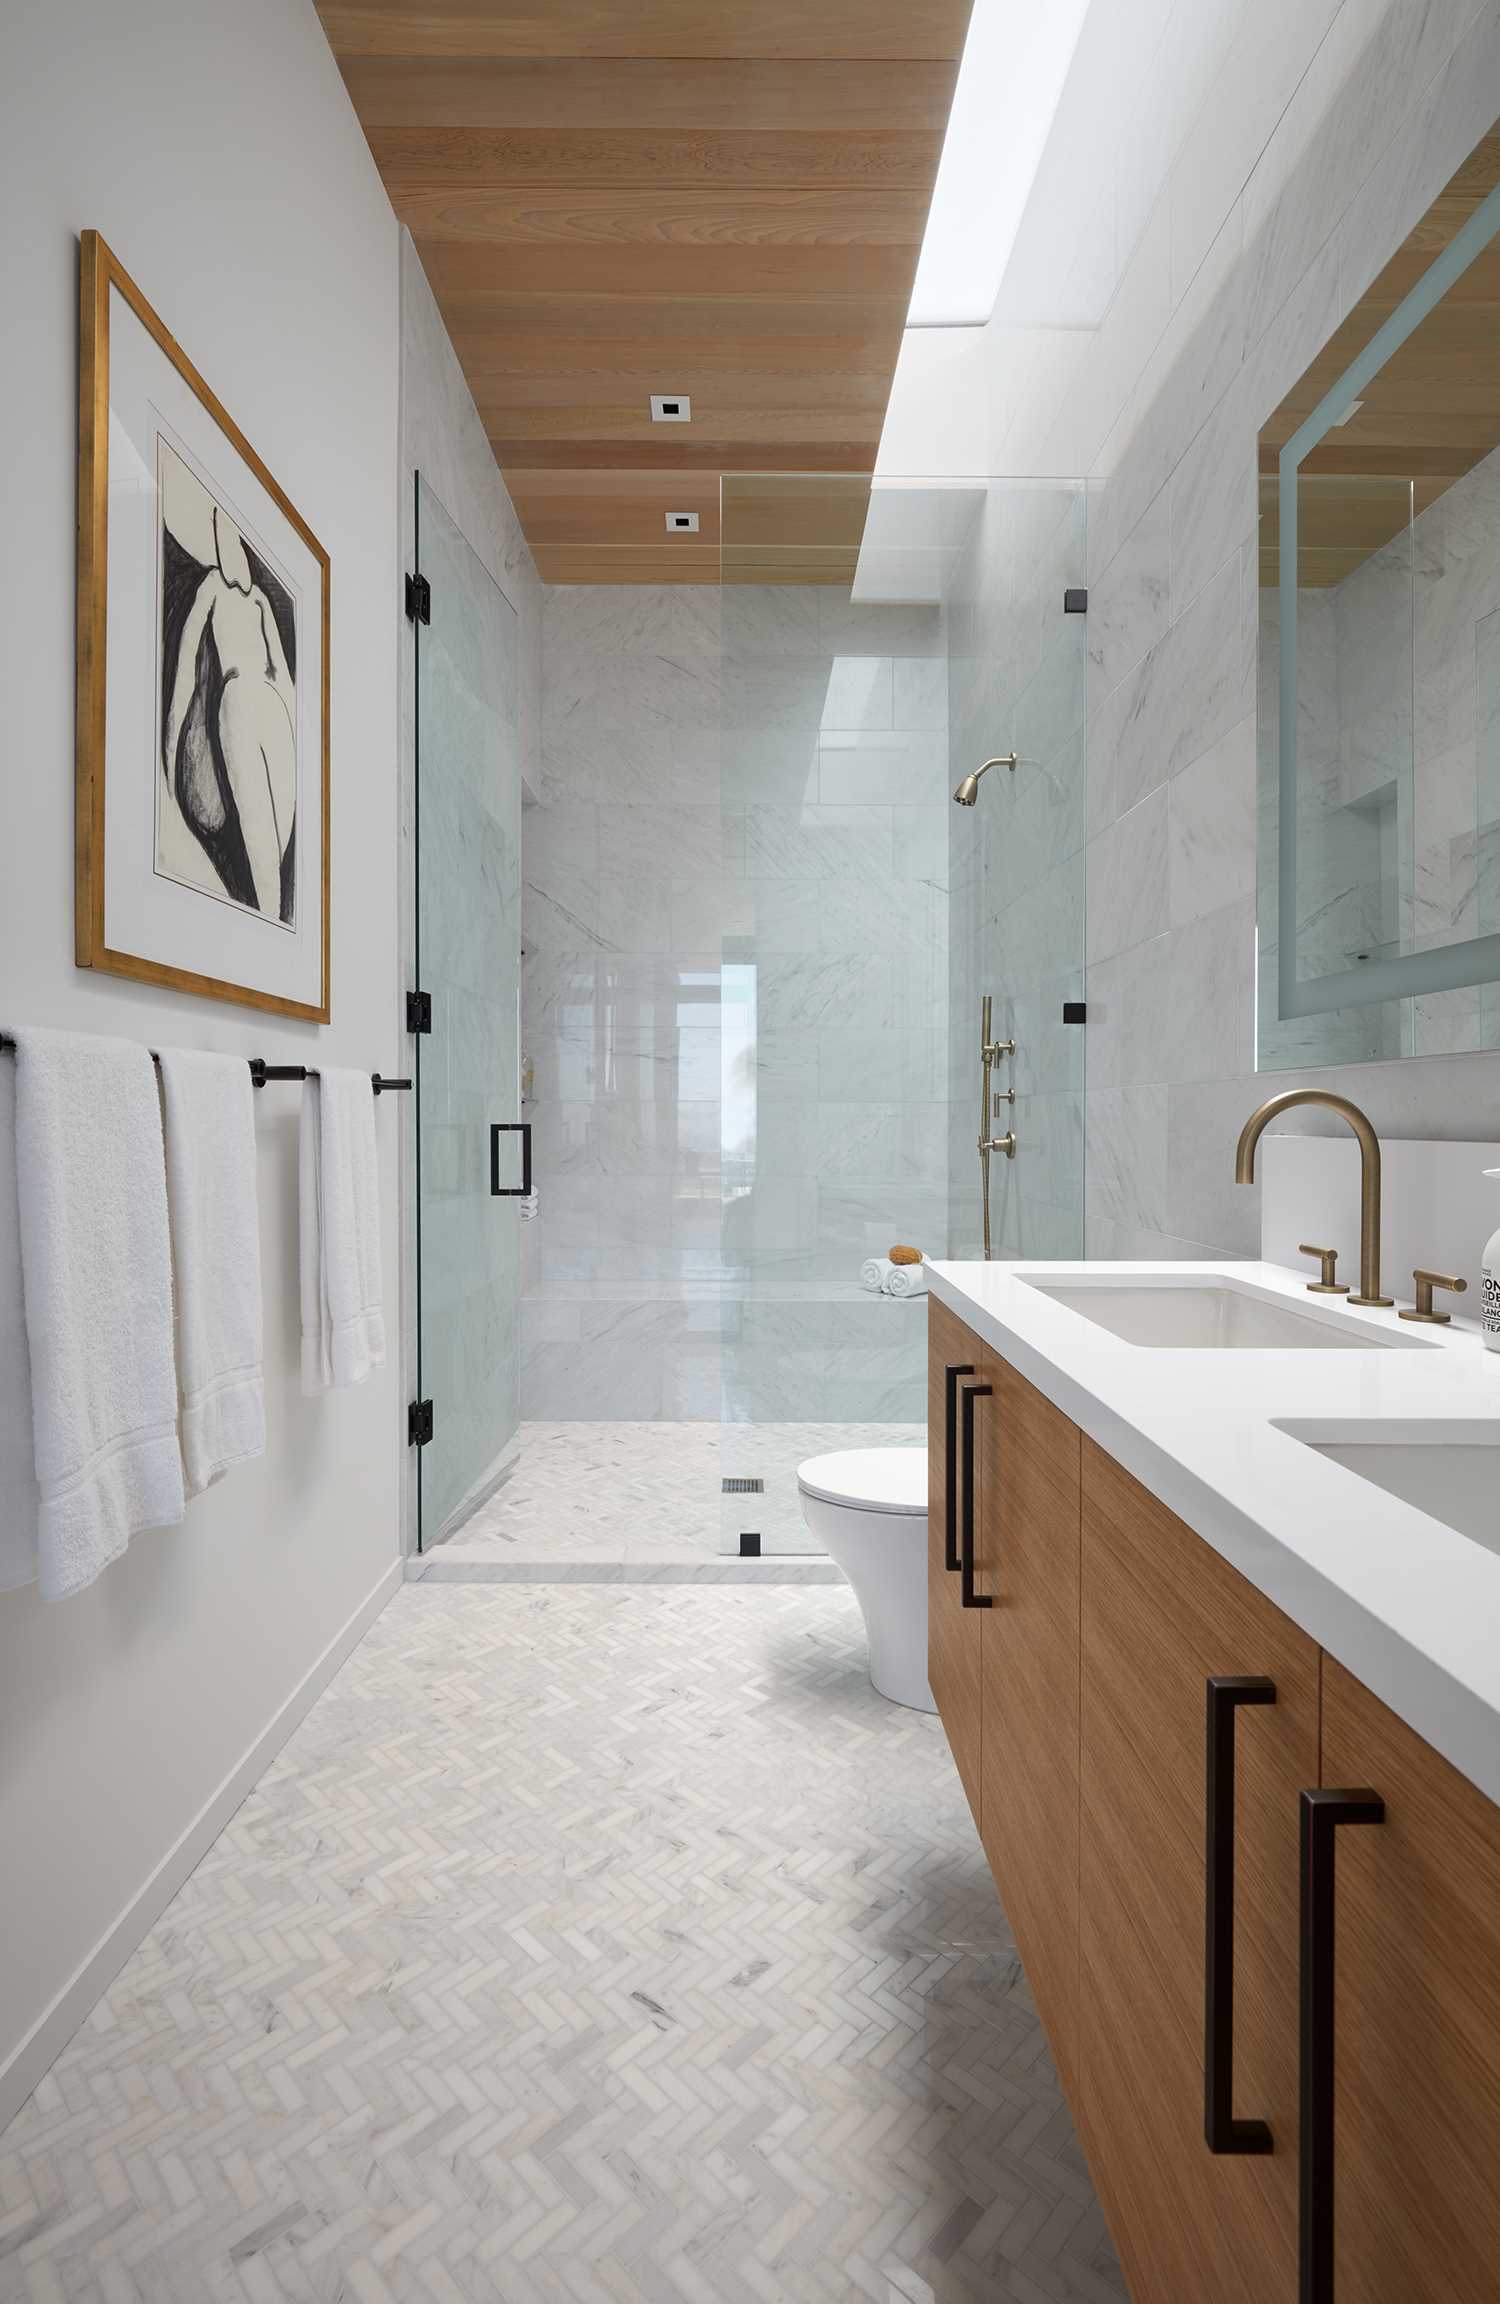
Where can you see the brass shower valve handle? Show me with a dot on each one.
(993, 1050)
(1426, 1282)
(1328, 1259)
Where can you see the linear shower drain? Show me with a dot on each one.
(753, 1485)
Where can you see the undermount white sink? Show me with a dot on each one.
(1205, 1314)
(1451, 1471)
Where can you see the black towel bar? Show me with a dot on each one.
(261, 1071)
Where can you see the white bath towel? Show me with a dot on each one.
(18, 1489)
(343, 1329)
(209, 1110)
(906, 1280)
(873, 1272)
(96, 1269)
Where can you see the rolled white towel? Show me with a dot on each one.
(906, 1280)
(874, 1273)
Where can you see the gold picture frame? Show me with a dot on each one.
(100, 275)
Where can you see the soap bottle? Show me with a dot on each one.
(1490, 1284)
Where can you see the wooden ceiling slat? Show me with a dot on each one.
(471, 277)
(752, 452)
(586, 217)
(435, 159)
(745, 94)
(619, 197)
(785, 28)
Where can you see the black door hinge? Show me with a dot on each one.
(418, 1423)
(1075, 601)
(418, 600)
(419, 1011)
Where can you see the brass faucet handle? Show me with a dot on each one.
(1328, 1258)
(1426, 1282)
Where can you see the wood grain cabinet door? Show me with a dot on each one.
(953, 1631)
(1161, 1614)
(1027, 1561)
(1416, 2068)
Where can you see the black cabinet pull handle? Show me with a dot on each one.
(1323, 1813)
(499, 1128)
(971, 1598)
(951, 1375)
(1223, 2132)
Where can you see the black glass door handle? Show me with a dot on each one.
(951, 1375)
(499, 1128)
(1324, 1812)
(1223, 2132)
(970, 1598)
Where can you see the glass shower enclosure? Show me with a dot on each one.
(472, 1157)
(879, 642)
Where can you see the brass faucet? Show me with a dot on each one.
(1369, 1173)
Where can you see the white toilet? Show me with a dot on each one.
(868, 1507)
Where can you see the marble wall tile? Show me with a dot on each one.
(781, 691)
(1130, 600)
(1182, 697)
(1127, 879)
(882, 767)
(813, 992)
(919, 697)
(1126, 1155)
(816, 843)
(669, 842)
(884, 912)
(1211, 828)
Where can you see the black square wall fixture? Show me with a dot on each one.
(1075, 601)
(749, 1547)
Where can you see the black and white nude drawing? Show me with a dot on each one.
(226, 813)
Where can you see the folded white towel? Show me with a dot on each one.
(873, 1271)
(208, 1106)
(343, 1330)
(18, 1491)
(906, 1280)
(96, 1270)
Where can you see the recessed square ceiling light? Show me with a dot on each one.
(682, 523)
(671, 408)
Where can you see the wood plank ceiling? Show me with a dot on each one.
(719, 198)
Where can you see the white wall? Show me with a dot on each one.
(1259, 162)
(220, 158)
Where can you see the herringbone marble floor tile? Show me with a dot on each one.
(643, 1495)
(586, 1945)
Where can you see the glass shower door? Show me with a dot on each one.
(470, 1148)
(881, 641)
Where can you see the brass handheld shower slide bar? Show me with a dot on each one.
(990, 1053)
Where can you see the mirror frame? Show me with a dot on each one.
(1449, 966)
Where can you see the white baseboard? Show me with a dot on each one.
(35, 2055)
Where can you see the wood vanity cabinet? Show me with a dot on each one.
(1078, 1704)
(1027, 1563)
(1417, 2022)
(1161, 1615)
(954, 1357)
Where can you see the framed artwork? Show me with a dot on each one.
(202, 740)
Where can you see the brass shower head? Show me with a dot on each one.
(968, 790)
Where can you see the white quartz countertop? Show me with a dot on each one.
(1410, 1606)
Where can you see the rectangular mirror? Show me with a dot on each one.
(1378, 704)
